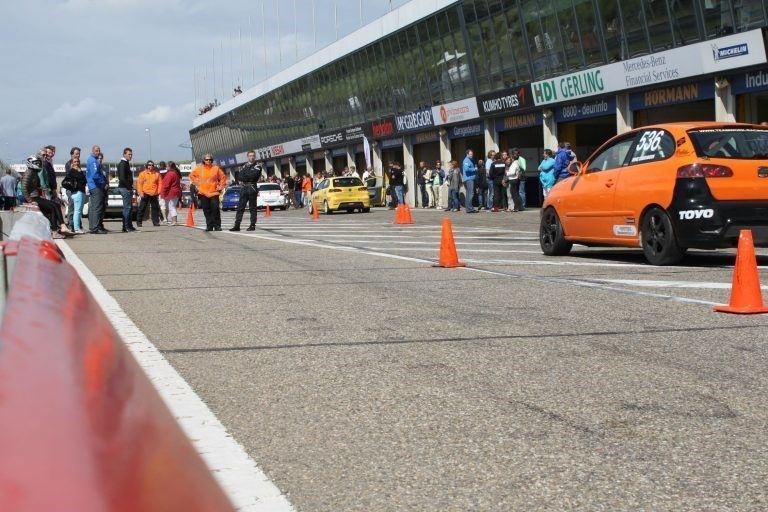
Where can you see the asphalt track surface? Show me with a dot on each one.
(358, 377)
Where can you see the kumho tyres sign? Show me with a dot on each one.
(722, 54)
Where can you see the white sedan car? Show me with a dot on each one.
(271, 194)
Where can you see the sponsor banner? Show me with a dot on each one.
(241, 158)
(586, 110)
(343, 136)
(367, 151)
(356, 133)
(467, 130)
(455, 112)
(392, 143)
(383, 128)
(288, 148)
(425, 137)
(510, 100)
(313, 141)
(673, 94)
(751, 81)
(519, 121)
(713, 56)
(334, 138)
(412, 121)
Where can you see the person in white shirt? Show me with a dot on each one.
(513, 183)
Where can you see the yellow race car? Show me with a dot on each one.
(340, 193)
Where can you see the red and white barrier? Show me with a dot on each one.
(81, 427)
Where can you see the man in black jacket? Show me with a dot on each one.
(125, 188)
(397, 184)
(247, 178)
(497, 172)
(50, 173)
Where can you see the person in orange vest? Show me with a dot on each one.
(306, 190)
(148, 186)
(210, 182)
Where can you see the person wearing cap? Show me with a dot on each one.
(148, 186)
(248, 178)
(209, 180)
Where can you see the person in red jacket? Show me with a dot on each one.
(170, 192)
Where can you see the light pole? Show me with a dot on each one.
(149, 133)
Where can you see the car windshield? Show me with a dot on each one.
(347, 182)
(736, 143)
(269, 186)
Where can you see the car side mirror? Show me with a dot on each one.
(574, 168)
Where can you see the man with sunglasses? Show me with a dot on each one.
(148, 186)
(248, 179)
(210, 181)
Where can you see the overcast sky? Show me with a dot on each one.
(84, 72)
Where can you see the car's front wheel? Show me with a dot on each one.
(658, 238)
(551, 235)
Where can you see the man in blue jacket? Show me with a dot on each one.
(563, 159)
(468, 175)
(97, 188)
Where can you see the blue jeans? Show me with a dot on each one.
(127, 196)
(399, 194)
(453, 200)
(521, 190)
(78, 198)
(469, 192)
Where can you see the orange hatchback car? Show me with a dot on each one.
(664, 188)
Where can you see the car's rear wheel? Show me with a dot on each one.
(552, 236)
(658, 238)
(366, 210)
(327, 209)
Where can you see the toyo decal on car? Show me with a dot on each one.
(696, 214)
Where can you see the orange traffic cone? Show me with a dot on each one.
(191, 216)
(448, 256)
(267, 213)
(315, 213)
(398, 214)
(746, 297)
(407, 217)
(402, 215)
